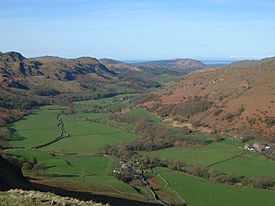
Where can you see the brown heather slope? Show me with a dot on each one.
(238, 98)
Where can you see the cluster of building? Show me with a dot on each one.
(133, 169)
(257, 147)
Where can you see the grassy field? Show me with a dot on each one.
(37, 128)
(166, 78)
(200, 155)
(251, 164)
(85, 136)
(138, 112)
(199, 192)
(77, 156)
(93, 171)
(89, 137)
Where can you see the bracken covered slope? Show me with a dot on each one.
(238, 98)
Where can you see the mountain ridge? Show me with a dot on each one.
(13, 64)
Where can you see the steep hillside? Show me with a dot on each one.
(13, 64)
(238, 98)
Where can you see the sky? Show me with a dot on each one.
(139, 29)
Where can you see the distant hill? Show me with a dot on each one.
(177, 65)
(238, 98)
(180, 66)
(119, 66)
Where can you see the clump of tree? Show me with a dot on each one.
(271, 153)
(258, 182)
(218, 112)
(188, 108)
(145, 98)
(229, 116)
(34, 167)
(4, 136)
(46, 91)
(241, 110)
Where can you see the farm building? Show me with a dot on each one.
(257, 147)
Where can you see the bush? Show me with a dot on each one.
(4, 133)
(217, 112)
(270, 121)
(39, 169)
(241, 110)
(229, 116)
(258, 182)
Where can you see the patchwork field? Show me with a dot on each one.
(198, 192)
(74, 158)
(226, 156)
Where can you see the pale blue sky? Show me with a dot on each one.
(128, 29)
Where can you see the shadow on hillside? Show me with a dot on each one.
(113, 201)
(61, 175)
(14, 135)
